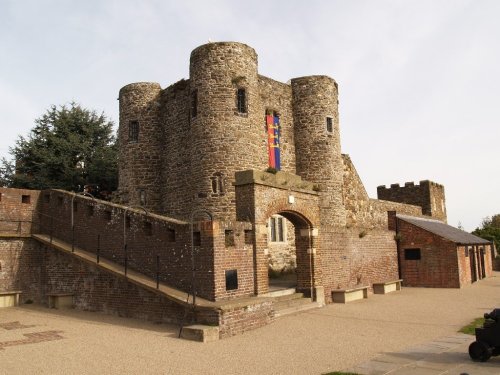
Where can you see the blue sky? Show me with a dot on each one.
(418, 80)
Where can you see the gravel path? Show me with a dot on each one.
(331, 338)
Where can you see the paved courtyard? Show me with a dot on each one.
(409, 332)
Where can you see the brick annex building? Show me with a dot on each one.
(241, 176)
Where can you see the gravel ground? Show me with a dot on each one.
(331, 338)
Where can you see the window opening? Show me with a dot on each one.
(133, 131)
(229, 237)
(231, 279)
(148, 228)
(197, 238)
(46, 198)
(217, 181)
(90, 210)
(107, 215)
(26, 199)
(241, 101)
(194, 103)
(142, 197)
(170, 235)
(412, 254)
(329, 124)
(277, 229)
(248, 237)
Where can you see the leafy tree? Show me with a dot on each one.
(69, 147)
(490, 229)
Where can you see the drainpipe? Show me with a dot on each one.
(398, 247)
(311, 262)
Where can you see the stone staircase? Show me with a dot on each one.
(288, 301)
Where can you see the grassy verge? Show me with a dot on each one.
(469, 329)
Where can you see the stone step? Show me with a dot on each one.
(288, 297)
(286, 303)
(279, 293)
(296, 309)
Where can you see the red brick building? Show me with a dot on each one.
(434, 254)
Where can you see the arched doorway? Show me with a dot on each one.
(289, 236)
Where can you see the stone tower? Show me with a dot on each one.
(317, 142)
(139, 126)
(224, 138)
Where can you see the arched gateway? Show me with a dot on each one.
(257, 201)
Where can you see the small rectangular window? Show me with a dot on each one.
(170, 235)
(241, 101)
(90, 210)
(133, 131)
(26, 199)
(231, 279)
(196, 239)
(142, 197)
(148, 228)
(248, 237)
(273, 229)
(229, 238)
(127, 221)
(75, 206)
(329, 124)
(46, 198)
(412, 254)
(60, 201)
(107, 215)
(194, 103)
(280, 229)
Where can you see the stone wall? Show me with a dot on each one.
(16, 211)
(428, 195)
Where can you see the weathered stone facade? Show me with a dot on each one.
(195, 136)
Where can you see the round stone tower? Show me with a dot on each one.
(317, 142)
(226, 127)
(139, 137)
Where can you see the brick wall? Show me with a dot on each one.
(16, 211)
(99, 223)
(439, 263)
(21, 266)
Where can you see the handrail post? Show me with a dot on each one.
(98, 247)
(157, 271)
(126, 259)
(51, 228)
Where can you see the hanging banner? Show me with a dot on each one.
(273, 141)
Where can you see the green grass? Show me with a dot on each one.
(469, 329)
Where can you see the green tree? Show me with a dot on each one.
(490, 229)
(69, 147)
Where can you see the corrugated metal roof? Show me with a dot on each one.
(444, 230)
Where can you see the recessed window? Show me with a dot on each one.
(277, 231)
(90, 210)
(196, 238)
(170, 235)
(148, 228)
(46, 198)
(217, 182)
(241, 99)
(107, 215)
(60, 201)
(412, 254)
(127, 221)
(75, 206)
(133, 131)
(194, 104)
(229, 237)
(142, 197)
(231, 279)
(248, 237)
(26, 199)
(329, 124)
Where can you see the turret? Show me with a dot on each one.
(226, 129)
(139, 137)
(317, 142)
